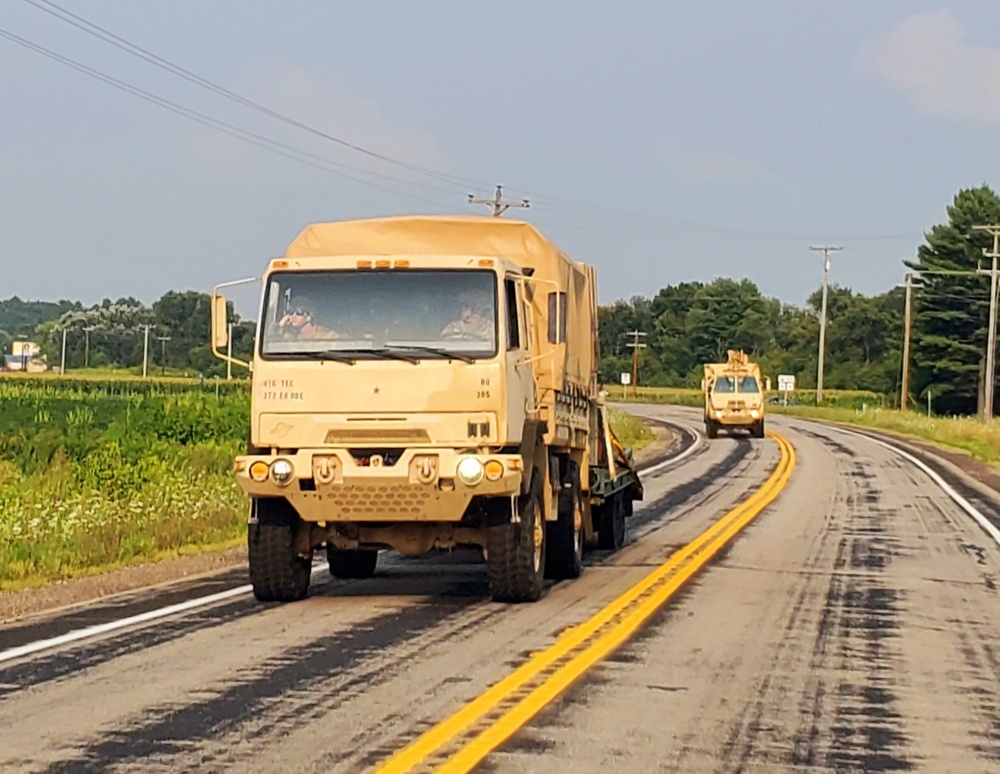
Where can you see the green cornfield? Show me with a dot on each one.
(97, 474)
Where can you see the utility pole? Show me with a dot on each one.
(163, 353)
(145, 351)
(497, 204)
(86, 346)
(822, 318)
(62, 363)
(229, 354)
(991, 336)
(635, 346)
(907, 319)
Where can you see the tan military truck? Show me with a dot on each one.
(424, 383)
(734, 395)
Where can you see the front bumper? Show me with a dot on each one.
(330, 485)
(737, 418)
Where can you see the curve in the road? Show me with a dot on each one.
(988, 526)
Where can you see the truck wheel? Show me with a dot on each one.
(564, 537)
(515, 553)
(351, 563)
(711, 429)
(611, 531)
(277, 573)
(758, 429)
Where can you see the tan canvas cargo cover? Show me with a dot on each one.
(517, 241)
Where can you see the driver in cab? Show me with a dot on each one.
(474, 320)
(299, 323)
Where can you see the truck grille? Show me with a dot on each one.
(389, 500)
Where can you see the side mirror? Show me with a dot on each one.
(702, 384)
(220, 322)
(767, 384)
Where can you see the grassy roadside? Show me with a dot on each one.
(630, 430)
(966, 434)
(684, 396)
(95, 477)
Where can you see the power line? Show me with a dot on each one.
(123, 44)
(261, 141)
(95, 30)
(573, 207)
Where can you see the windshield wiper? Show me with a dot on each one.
(351, 355)
(328, 354)
(434, 351)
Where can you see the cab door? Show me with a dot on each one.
(517, 348)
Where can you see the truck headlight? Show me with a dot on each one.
(281, 472)
(718, 414)
(754, 413)
(470, 471)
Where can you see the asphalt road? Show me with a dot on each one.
(851, 627)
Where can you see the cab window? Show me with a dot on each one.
(513, 323)
(724, 384)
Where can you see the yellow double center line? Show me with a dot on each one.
(460, 742)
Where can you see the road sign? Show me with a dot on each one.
(626, 379)
(786, 383)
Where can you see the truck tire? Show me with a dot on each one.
(351, 563)
(515, 553)
(277, 573)
(711, 429)
(611, 530)
(758, 429)
(564, 536)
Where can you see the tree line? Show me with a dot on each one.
(113, 333)
(685, 324)
(693, 323)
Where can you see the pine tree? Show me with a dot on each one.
(951, 313)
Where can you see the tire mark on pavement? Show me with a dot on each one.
(273, 697)
(848, 717)
(686, 495)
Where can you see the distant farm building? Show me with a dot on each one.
(24, 356)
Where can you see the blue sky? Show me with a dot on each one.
(661, 142)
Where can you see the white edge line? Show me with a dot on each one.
(680, 457)
(151, 615)
(964, 504)
(110, 626)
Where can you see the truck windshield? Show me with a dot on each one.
(435, 312)
(748, 384)
(724, 384)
